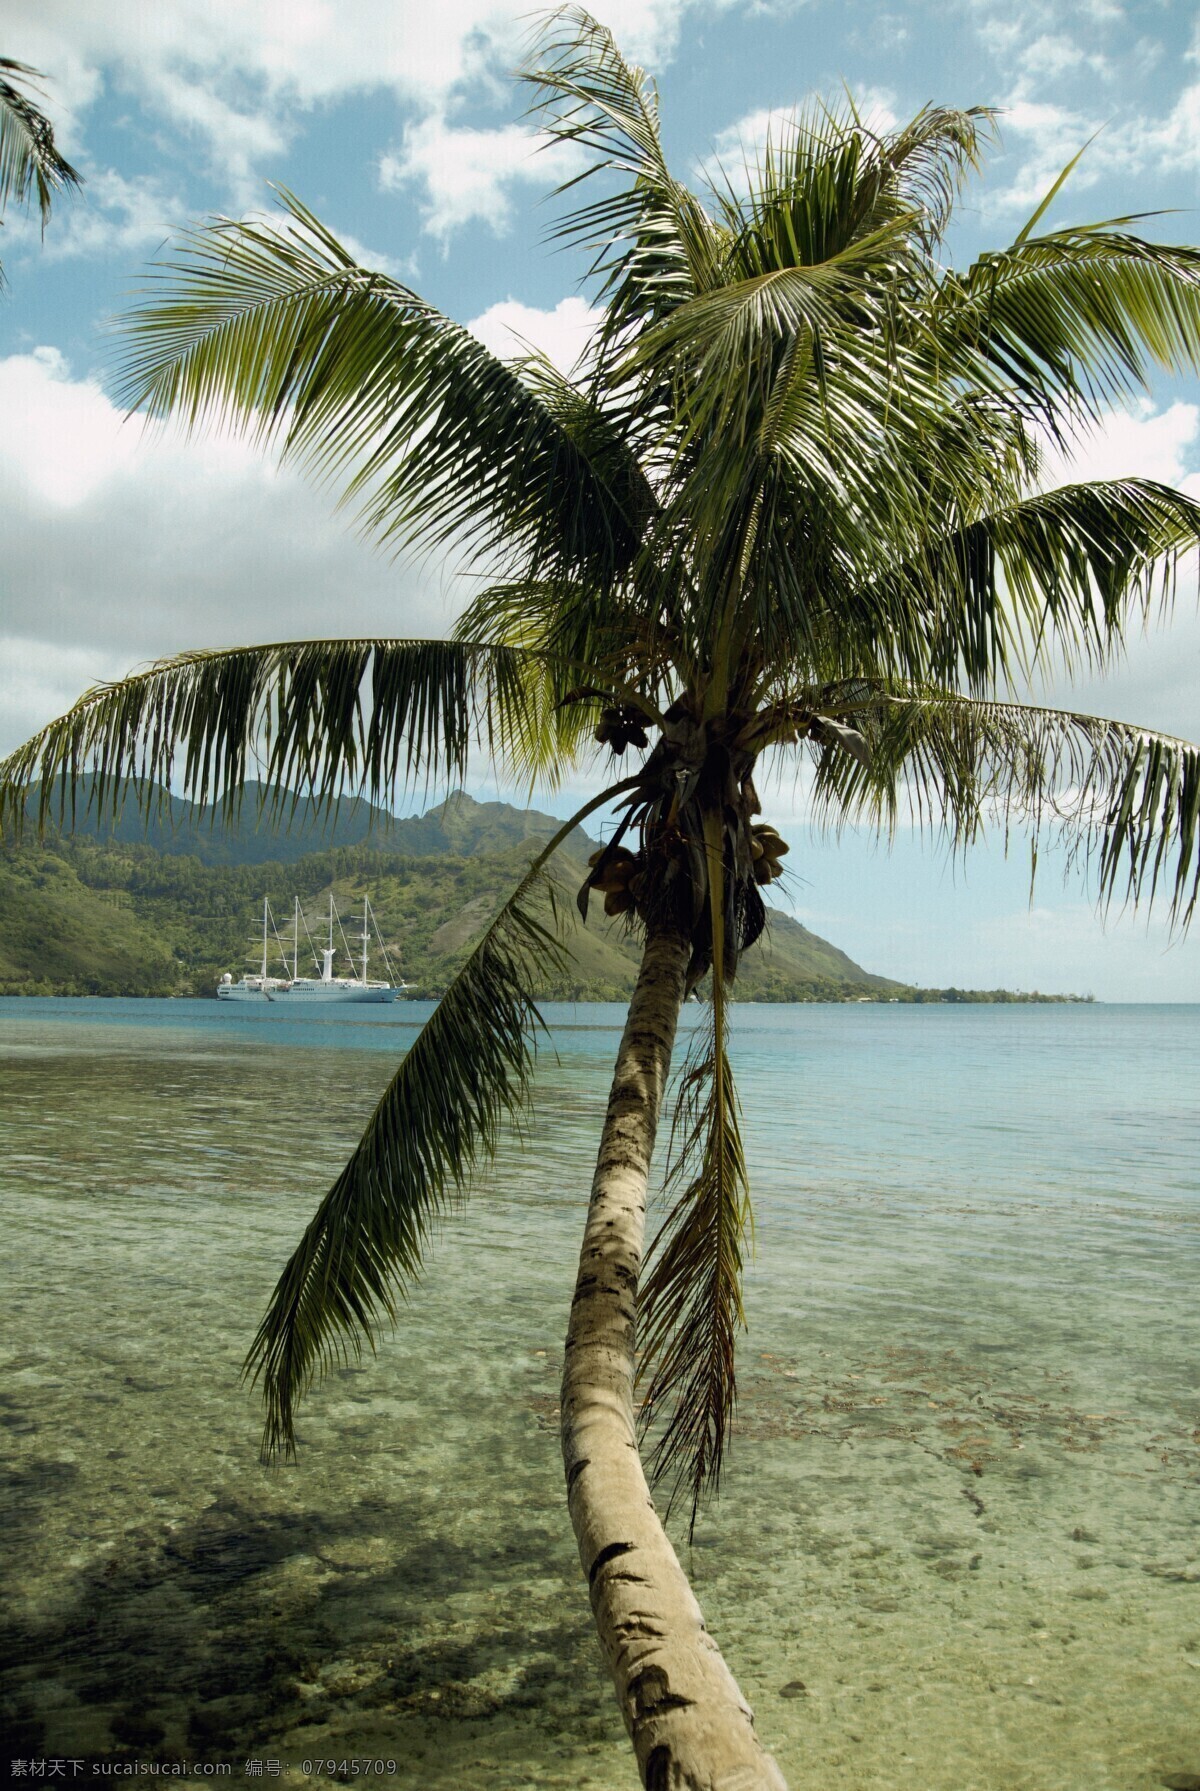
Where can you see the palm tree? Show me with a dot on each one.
(30, 161)
(788, 504)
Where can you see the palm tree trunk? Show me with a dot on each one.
(691, 1728)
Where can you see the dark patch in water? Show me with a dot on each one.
(232, 1665)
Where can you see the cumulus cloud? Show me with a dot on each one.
(465, 174)
(122, 546)
(242, 77)
(1158, 681)
(1053, 54)
(1089, 69)
(562, 334)
(1141, 440)
(1041, 137)
(1172, 142)
(238, 140)
(109, 216)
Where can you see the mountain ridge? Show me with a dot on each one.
(126, 907)
(106, 910)
(179, 828)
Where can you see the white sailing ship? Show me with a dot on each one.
(326, 988)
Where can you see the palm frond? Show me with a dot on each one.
(653, 242)
(1075, 319)
(929, 158)
(1062, 571)
(31, 164)
(690, 1302)
(308, 718)
(1123, 799)
(468, 1072)
(274, 329)
(824, 179)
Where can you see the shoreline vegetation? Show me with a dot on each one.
(128, 911)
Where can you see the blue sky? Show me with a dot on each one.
(397, 124)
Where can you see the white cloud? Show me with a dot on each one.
(61, 438)
(1173, 143)
(466, 174)
(1054, 54)
(241, 76)
(239, 142)
(1157, 683)
(1140, 441)
(1101, 12)
(110, 216)
(1144, 120)
(122, 546)
(562, 334)
(1046, 137)
(1000, 33)
(1043, 137)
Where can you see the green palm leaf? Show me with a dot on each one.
(690, 1303)
(278, 331)
(441, 1116)
(308, 718)
(31, 164)
(652, 240)
(1060, 571)
(1125, 798)
(1076, 318)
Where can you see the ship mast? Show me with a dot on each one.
(296, 939)
(266, 911)
(327, 972)
(366, 936)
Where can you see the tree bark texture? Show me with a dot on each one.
(692, 1730)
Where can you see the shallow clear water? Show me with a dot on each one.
(959, 1544)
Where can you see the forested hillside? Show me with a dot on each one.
(117, 912)
(121, 913)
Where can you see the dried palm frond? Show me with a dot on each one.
(690, 1305)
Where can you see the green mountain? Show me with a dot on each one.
(108, 911)
(120, 909)
(190, 830)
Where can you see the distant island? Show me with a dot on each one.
(122, 909)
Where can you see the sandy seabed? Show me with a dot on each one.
(958, 1548)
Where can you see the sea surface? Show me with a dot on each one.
(958, 1548)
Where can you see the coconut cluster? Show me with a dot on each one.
(766, 850)
(614, 880)
(622, 727)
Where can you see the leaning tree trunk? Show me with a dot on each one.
(692, 1729)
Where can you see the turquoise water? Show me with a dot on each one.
(959, 1544)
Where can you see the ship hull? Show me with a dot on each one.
(320, 995)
